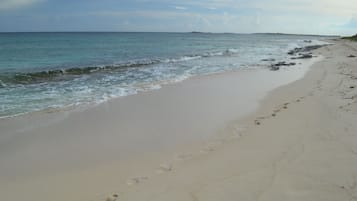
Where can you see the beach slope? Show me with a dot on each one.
(300, 143)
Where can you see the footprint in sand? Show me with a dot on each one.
(276, 111)
(300, 99)
(238, 130)
(235, 136)
(257, 122)
(285, 105)
(165, 167)
(136, 180)
(182, 157)
(113, 197)
(207, 150)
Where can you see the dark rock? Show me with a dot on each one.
(268, 60)
(305, 49)
(276, 66)
(291, 52)
(306, 56)
(283, 63)
(303, 56)
(351, 56)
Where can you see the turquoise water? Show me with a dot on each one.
(40, 71)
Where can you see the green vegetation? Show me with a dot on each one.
(353, 38)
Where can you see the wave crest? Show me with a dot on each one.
(68, 73)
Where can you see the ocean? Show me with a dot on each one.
(45, 71)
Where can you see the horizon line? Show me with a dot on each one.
(195, 32)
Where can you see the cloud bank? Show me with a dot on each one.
(243, 16)
(14, 4)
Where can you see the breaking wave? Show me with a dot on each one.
(70, 73)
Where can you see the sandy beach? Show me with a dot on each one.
(245, 135)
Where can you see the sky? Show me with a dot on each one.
(326, 17)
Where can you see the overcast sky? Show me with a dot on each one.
(241, 16)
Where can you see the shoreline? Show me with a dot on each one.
(81, 107)
(215, 151)
(52, 115)
(38, 77)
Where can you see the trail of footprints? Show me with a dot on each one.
(347, 87)
(112, 197)
(168, 167)
(258, 121)
(212, 146)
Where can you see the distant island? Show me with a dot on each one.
(268, 33)
(296, 34)
(199, 32)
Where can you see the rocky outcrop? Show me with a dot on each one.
(276, 66)
(304, 49)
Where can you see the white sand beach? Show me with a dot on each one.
(246, 135)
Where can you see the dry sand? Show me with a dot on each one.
(300, 144)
